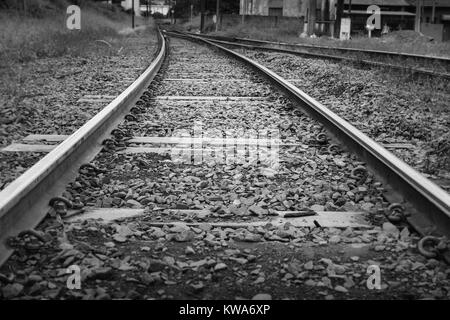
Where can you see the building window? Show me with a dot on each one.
(276, 12)
(276, 8)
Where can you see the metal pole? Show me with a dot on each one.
(422, 11)
(350, 14)
(202, 16)
(244, 7)
(337, 23)
(132, 13)
(325, 15)
(311, 17)
(322, 11)
(433, 12)
(418, 12)
(217, 14)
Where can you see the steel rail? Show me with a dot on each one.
(341, 58)
(25, 202)
(430, 210)
(358, 50)
(333, 57)
(345, 49)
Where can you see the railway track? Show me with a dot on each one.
(216, 185)
(402, 62)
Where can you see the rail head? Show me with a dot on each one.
(24, 203)
(431, 211)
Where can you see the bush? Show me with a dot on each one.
(41, 32)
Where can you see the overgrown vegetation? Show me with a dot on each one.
(39, 29)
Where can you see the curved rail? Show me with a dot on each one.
(282, 47)
(430, 210)
(25, 202)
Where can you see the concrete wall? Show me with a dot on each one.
(292, 8)
(433, 30)
(293, 23)
(260, 7)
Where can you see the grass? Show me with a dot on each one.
(400, 41)
(41, 31)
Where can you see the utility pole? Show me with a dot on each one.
(433, 12)
(322, 10)
(244, 7)
(418, 15)
(311, 17)
(202, 16)
(322, 15)
(132, 14)
(339, 12)
(325, 15)
(217, 14)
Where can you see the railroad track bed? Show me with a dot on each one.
(410, 117)
(289, 215)
(58, 95)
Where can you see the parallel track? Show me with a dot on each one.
(330, 53)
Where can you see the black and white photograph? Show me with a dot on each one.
(227, 157)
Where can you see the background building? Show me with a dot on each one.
(161, 6)
(397, 14)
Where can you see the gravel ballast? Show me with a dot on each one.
(139, 258)
(388, 107)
